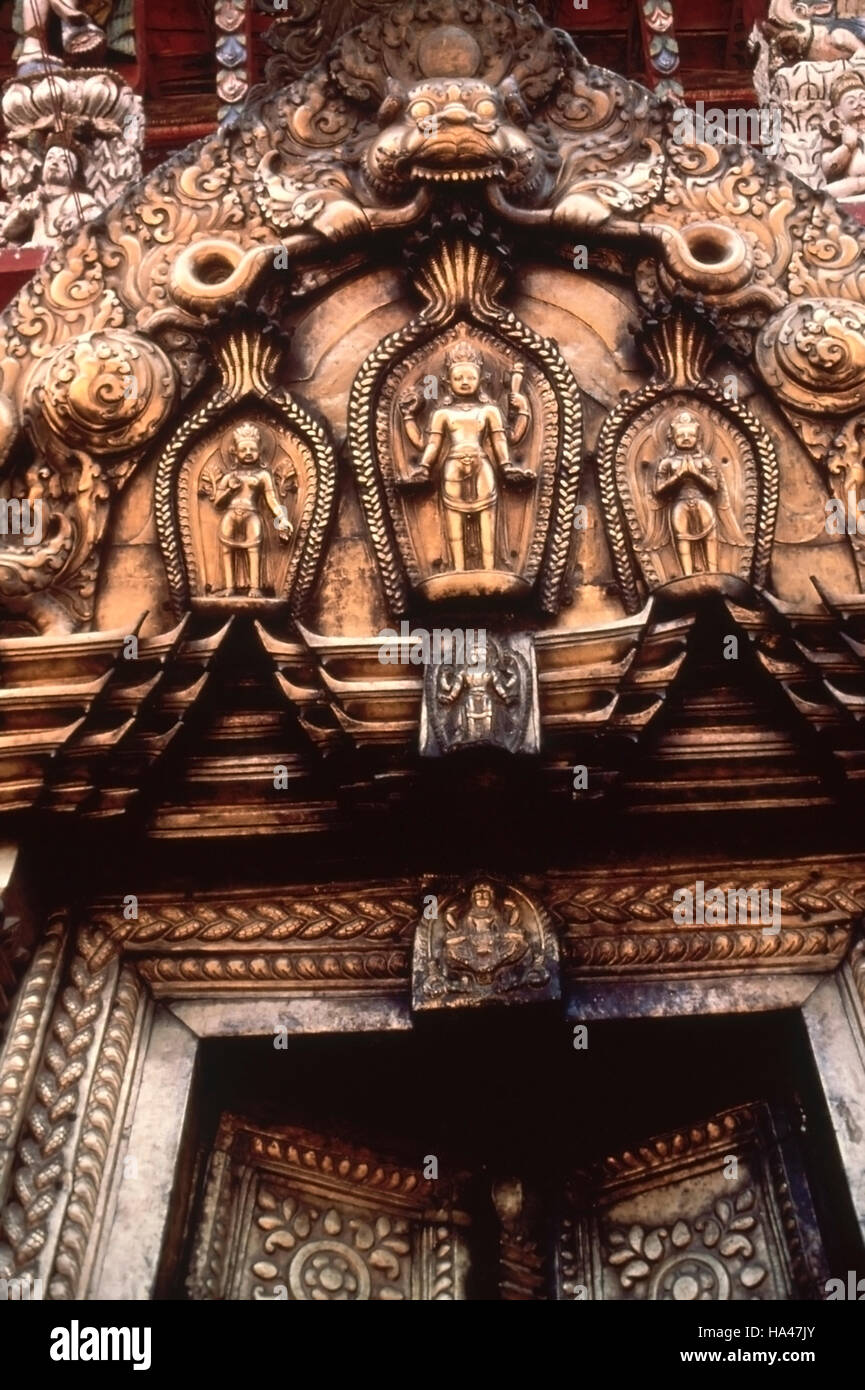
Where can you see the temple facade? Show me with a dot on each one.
(432, 651)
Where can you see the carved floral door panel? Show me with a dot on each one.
(719, 1211)
(290, 1216)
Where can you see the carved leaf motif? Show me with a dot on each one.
(620, 1257)
(654, 1248)
(364, 1238)
(266, 1199)
(745, 1199)
(386, 1262)
(282, 1240)
(635, 1238)
(752, 1275)
(264, 1270)
(637, 1269)
(736, 1245)
(680, 1235)
(269, 1223)
(710, 1231)
(332, 1222)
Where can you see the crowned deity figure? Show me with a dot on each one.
(843, 156)
(483, 937)
(467, 443)
(478, 688)
(691, 497)
(240, 491)
(58, 205)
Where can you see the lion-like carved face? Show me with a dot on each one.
(449, 130)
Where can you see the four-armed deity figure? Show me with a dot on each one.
(241, 532)
(468, 441)
(483, 937)
(691, 492)
(475, 687)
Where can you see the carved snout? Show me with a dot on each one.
(209, 274)
(707, 256)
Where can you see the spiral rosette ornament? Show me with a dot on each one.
(106, 392)
(813, 355)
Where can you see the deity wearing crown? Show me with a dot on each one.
(467, 446)
(240, 492)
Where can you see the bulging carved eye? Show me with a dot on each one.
(421, 110)
(486, 109)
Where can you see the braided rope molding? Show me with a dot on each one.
(39, 1171)
(691, 948)
(808, 896)
(361, 423)
(667, 1150)
(615, 506)
(630, 927)
(19, 1053)
(100, 1115)
(193, 425)
(383, 915)
(187, 974)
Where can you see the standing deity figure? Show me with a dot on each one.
(474, 688)
(467, 440)
(691, 493)
(81, 38)
(240, 491)
(843, 157)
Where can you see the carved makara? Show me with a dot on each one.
(486, 943)
(476, 443)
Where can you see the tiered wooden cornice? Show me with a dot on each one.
(648, 704)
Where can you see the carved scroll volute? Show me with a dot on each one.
(245, 490)
(465, 435)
